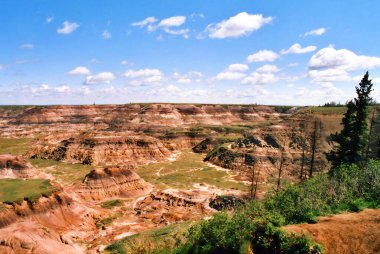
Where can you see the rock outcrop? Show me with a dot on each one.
(12, 166)
(168, 206)
(106, 149)
(143, 114)
(110, 182)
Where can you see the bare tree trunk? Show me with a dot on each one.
(252, 178)
(313, 149)
(256, 183)
(303, 158)
(280, 171)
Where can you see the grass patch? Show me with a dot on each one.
(15, 190)
(65, 173)
(188, 169)
(161, 240)
(109, 204)
(15, 146)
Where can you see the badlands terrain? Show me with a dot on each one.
(75, 179)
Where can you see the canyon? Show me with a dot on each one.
(112, 171)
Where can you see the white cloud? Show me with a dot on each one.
(144, 77)
(106, 35)
(297, 49)
(318, 31)
(124, 62)
(230, 75)
(239, 25)
(329, 75)
(68, 27)
(172, 21)
(342, 59)
(45, 89)
(80, 70)
(142, 73)
(1, 67)
(184, 81)
(145, 22)
(263, 56)
(165, 24)
(26, 46)
(257, 78)
(49, 19)
(238, 67)
(100, 78)
(268, 68)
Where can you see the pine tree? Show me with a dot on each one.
(342, 141)
(350, 145)
(360, 132)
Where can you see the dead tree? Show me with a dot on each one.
(282, 161)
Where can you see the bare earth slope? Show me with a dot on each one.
(350, 233)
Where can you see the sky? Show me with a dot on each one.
(271, 52)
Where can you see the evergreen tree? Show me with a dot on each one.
(360, 132)
(342, 141)
(350, 145)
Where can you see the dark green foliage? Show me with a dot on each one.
(348, 188)
(252, 224)
(341, 152)
(351, 142)
(373, 148)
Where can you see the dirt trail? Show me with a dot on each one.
(350, 233)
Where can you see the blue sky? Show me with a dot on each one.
(111, 51)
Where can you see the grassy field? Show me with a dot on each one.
(65, 173)
(147, 241)
(15, 190)
(15, 146)
(187, 170)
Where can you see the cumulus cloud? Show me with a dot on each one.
(172, 21)
(184, 81)
(317, 32)
(260, 78)
(329, 75)
(100, 78)
(263, 56)
(106, 35)
(238, 67)
(45, 89)
(145, 22)
(343, 59)
(298, 49)
(239, 25)
(230, 75)
(144, 76)
(80, 70)
(142, 73)
(165, 25)
(68, 27)
(26, 46)
(124, 62)
(268, 68)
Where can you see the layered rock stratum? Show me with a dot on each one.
(105, 183)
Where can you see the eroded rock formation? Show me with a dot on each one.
(106, 149)
(12, 166)
(110, 182)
